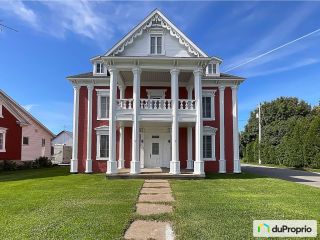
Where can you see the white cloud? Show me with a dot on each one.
(300, 63)
(19, 9)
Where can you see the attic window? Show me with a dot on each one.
(99, 68)
(156, 44)
(212, 68)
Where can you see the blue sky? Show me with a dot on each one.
(57, 38)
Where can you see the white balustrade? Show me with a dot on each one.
(187, 104)
(124, 104)
(156, 104)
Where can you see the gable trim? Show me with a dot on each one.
(157, 16)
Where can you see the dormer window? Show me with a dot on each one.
(212, 69)
(156, 44)
(99, 68)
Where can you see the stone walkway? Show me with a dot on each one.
(155, 198)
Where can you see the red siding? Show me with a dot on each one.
(13, 136)
(183, 151)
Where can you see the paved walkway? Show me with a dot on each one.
(155, 198)
(297, 176)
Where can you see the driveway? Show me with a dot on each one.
(297, 176)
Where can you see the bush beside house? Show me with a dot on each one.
(290, 134)
(10, 165)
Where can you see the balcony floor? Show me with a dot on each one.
(154, 173)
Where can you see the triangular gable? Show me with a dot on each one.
(19, 111)
(156, 17)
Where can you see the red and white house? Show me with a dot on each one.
(22, 137)
(154, 100)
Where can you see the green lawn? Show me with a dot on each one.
(53, 204)
(224, 206)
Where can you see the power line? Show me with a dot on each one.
(275, 49)
(5, 26)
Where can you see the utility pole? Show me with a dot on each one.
(259, 117)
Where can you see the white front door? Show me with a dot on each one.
(157, 150)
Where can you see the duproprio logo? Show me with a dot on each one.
(263, 226)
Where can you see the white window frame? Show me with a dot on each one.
(210, 131)
(217, 72)
(3, 131)
(103, 130)
(211, 94)
(155, 34)
(1, 116)
(102, 93)
(95, 68)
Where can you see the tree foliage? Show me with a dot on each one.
(290, 134)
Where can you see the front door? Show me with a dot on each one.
(155, 151)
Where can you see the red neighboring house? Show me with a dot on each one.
(22, 137)
(155, 100)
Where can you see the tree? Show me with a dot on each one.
(312, 144)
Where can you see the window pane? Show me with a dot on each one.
(108, 106)
(153, 45)
(103, 107)
(207, 147)
(101, 68)
(214, 68)
(43, 142)
(25, 140)
(98, 67)
(159, 45)
(210, 68)
(206, 107)
(155, 148)
(104, 146)
(1, 140)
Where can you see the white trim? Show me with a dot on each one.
(1, 115)
(156, 92)
(102, 93)
(222, 160)
(4, 132)
(210, 131)
(105, 71)
(103, 130)
(147, 23)
(209, 93)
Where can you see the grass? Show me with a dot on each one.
(224, 206)
(53, 204)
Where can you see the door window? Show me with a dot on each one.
(155, 148)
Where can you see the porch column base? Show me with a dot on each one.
(120, 164)
(74, 166)
(222, 166)
(189, 164)
(198, 168)
(236, 166)
(112, 167)
(88, 166)
(174, 167)
(135, 167)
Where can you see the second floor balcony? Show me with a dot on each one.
(157, 109)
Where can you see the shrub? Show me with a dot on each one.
(42, 162)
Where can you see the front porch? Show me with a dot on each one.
(154, 173)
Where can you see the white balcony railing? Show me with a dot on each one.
(156, 104)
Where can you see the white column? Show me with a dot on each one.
(74, 160)
(175, 161)
(236, 160)
(189, 159)
(135, 163)
(198, 163)
(112, 163)
(222, 160)
(121, 131)
(89, 130)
